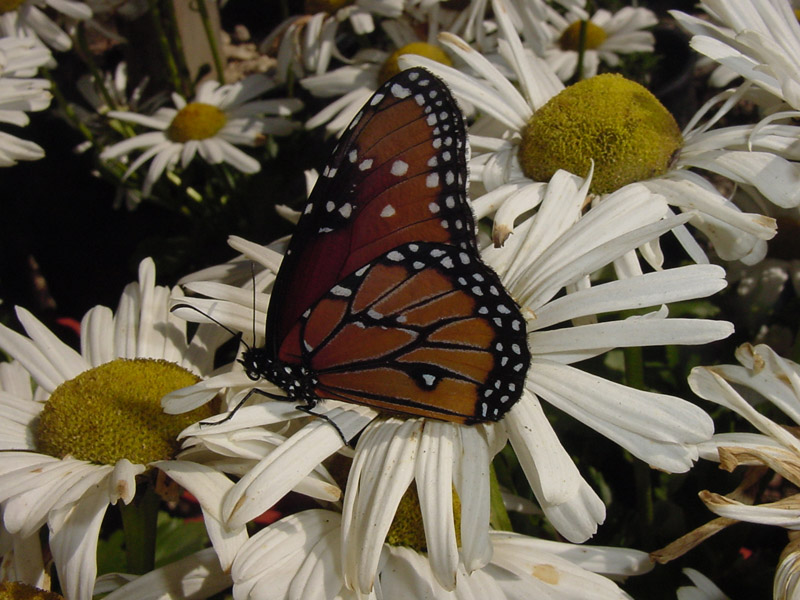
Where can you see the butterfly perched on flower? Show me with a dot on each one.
(382, 298)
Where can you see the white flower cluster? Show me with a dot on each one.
(578, 178)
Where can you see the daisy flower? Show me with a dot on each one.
(522, 140)
(26, 19)
(757, 40)
(219, 118)
(80, 438)
(354, 83)
(553, 253)
(607, 36)
(301, 557)
(20, 93)
(767, 379)
(306, 43)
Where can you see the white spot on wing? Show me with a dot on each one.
(398, 91)
(388, 211)
(432, 180)
(365, 164)
(338, 290)
(399, 168)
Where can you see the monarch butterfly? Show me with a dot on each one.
(382, 298)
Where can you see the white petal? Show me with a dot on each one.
(74, 534)
(434, 479)
(472, 485)
(541, 455)
(659, 429)
(198, 575)
(372, 498)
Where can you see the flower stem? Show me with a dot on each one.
(139, 520)
(212, 39)
(634, 368)
(498, 515)
(166, 50)
(97, 75)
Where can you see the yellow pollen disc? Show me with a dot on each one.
(15, 590)
(571, 38)
(797, 13)
(9, 5)
(312, 7)
(407, 528)
(196, 121)
(609, 119)
(114, 411)
(390, 68)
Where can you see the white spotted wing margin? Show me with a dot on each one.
(426, 329)
(399, 174)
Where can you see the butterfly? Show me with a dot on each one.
(382, 298)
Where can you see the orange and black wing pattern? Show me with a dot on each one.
(382, 298)
(426, 329)
(398, 175)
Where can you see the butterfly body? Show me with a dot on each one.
(382, 298)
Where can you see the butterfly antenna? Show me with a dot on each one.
(253, 277)
(236, 334)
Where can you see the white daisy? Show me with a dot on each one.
(80, 438)
(511, 159)
(219, 118)
(607, 36)
(555, 252)
(768, 378)
(301, 557)
(756, 39)
(354, 83)
(21, 93)
(26, 19)
(307, 43)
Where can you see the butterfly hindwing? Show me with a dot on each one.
(399, 174)
(425, 329)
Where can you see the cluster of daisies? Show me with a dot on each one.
(601, 213)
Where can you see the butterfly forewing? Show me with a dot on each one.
(382, 298)
(398, 175)
(426, 329)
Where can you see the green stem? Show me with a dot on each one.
(212, 40)
(139, 520)
(166, 50)
(68, 109)
(634, 368)
(97, 75)
(498, 515)
(178, 52)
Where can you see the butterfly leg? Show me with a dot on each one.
(241, 402)
(309, 408)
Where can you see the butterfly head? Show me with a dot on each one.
(296, 380)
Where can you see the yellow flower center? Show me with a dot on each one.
(196, 121)
(9, 5)
(407, 528)
(312, 7)
(390, 68)
(114, 411)
(571, 38)
(14, 590)
(609, 119)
